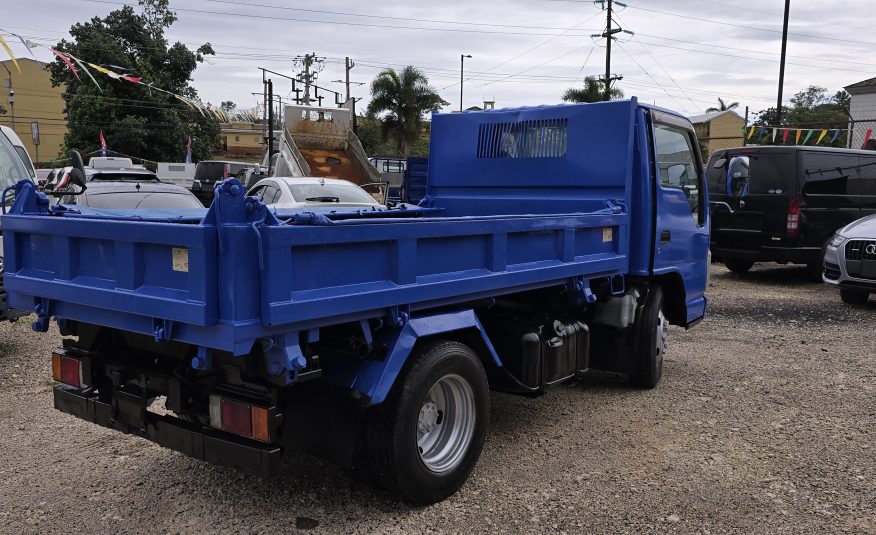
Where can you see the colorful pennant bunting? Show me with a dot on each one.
(821, 136)
(808, 135)
(9, 51)
(836, 134)
(63, 57)
(785, 135)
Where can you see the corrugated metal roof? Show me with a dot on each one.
(863, 85)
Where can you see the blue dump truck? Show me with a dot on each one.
(552, 241)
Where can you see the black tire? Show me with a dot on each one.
(737, 265)
(854, 297)
(815, 269)
(389, 454)
(650, 345)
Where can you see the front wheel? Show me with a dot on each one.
(854, 297)
(425, 440)
(650, 344)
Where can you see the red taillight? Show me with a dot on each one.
(240, 418)
(68, 370)
(793, 224)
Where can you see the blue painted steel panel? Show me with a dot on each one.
(541, 160)
(374, 378)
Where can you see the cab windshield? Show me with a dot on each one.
(12, 169)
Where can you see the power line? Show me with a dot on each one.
(527, 51)
(341, 23)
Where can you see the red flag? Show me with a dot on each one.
(867, 136)
(785, 136)
(189, 150)
(130, 78)
(64, 58)
(102, 144)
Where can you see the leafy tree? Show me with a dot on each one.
(593, 91)
(228, 106)
(403, 97)
(134, 119)
(813, 108)
(723, 106)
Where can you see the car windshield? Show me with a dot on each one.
(12, 169)
(142, 200)
(330, 193)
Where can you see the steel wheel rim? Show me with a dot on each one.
(662, 328)
(446, 422)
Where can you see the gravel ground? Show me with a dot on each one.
(765, 422)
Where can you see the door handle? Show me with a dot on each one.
(665, 237)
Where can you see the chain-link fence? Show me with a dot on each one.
(860, 132)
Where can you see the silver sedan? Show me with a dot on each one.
(850, 260)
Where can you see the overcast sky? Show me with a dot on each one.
(683, 53)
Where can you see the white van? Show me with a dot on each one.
(181, 174)
(19, 148)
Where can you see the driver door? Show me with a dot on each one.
(681, 237)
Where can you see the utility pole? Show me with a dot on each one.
(11, 95)
(461, 70)
(270, 123)
(311, 65)
(782, 63)
(348, 64)
(608, 34)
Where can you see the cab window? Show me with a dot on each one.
(677, 165)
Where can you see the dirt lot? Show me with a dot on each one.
(765, 422)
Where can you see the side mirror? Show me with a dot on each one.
(77, 173)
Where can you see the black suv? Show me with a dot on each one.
(783, 204)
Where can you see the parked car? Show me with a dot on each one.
(307, 192)
(783, 204)
(132, 195)
(181, 174)
(20, 149)
(209, 172)
(850, 260)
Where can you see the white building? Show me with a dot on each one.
(862, 110)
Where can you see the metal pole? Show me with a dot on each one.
(461, 72)
(744, 128)
(608, 51)
(782, 63)
(270, 123)
(347, 66)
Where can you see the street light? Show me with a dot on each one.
(461, 71)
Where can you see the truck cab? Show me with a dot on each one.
(551, 241)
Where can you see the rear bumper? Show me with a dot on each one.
(190, 439)
(792, 255)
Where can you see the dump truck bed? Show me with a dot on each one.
(240, 273)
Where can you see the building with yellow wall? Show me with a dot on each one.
(35, 101)
(718, 130)
(242, 140)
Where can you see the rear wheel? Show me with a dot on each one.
(651, 332)
(737, 265)
(425, 440)
(854, 297)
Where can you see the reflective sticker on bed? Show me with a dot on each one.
(181, 259)
(606, 234)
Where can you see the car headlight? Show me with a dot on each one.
(837, 240)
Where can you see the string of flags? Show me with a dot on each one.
(112, 71)
(759, 133)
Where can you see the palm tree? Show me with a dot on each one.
(723, 106)
(593, 91)
(404, 97)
